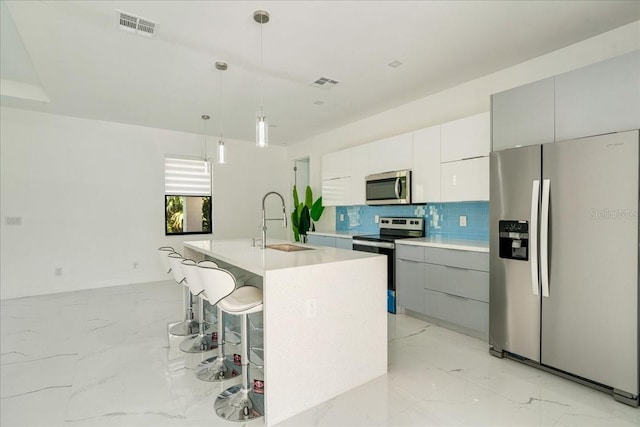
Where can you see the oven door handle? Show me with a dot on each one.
(385, 245)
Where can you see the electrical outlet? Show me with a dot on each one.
(463, 220)
(376, 219)
(57, 271)
(311, 306)
(341, 217)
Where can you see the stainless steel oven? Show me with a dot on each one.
(391, 229)
(389, 188)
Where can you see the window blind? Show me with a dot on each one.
(186, 177)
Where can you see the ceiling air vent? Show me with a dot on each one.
(324, 83)
(135, 24)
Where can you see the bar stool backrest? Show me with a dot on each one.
(218, 284)
(163, 251)
(175, 261)
(190, 269)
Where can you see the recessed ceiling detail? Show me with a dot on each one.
(135, 24)
(325, 83)
(394, 64)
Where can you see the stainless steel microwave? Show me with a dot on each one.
(389, 188)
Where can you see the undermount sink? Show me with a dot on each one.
(287, 247)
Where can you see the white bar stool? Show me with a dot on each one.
(235, 403)
(163, 251)
(220, 367)
(201, 342)
(188, 326)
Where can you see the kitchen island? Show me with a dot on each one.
(325, 319)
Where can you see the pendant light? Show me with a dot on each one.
(204, 118)
(262, 127)
(222, 152)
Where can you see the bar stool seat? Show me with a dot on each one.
(188, 327)
(235, 403)
(202, 342)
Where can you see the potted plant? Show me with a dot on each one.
(304, 214)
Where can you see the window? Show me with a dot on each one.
(187, 196)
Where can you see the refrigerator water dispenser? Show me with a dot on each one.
(514, 240)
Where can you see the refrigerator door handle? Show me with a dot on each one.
(533, 240)
(544, 238)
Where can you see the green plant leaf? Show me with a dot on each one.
(295, 196)
(305, 221)
(308, 197)
(317, 209)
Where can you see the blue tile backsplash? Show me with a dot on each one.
(441, 219)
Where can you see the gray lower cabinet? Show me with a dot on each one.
(445, 284)
(410, 284)
(334, 242)
(314, 239)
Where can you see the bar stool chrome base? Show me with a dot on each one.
(198, 344)
(217, 369)
(235, 404)
(184, 329)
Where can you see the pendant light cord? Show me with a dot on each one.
(261, 74)
(220, 103)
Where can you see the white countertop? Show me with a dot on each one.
(438, 242)
(339, 234)
(240, 253)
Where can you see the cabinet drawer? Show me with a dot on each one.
(462, 282)
(456, 258)
(412, 253)
(460, 311)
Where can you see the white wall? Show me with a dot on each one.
(464, 100)
(91, 198)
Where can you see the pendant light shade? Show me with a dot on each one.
(221, 152)
(262, 131)
(262, 127)
(205, 118)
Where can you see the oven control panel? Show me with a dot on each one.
(416, 224)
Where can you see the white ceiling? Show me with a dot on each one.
(76, 54)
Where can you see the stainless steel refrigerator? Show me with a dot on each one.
(564, 259)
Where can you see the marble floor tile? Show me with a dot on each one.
(103, 357)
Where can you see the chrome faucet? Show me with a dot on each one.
(265, 219)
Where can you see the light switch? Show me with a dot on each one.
(341, 217)
(463, 220)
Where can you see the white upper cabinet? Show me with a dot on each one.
(335, 165)
(335, 191)
(359, 156)
(465, 138)
(390, 154)
(599, 98)
(465, 180)
(523, 115)
(425, 179)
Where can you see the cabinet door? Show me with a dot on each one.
(523, 115)
(335, 191)
(410, 284)
(600, 98)
(390, 154)
(465, 180)
(425, 179)
(344, 243)
(359, 161)
(465, 138)
(335, 165)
